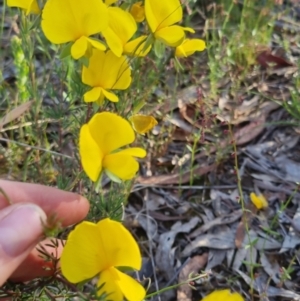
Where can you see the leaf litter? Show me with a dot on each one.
(253, 250)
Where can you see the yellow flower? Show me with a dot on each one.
(142, 123)
(31, 6)
(189, 46)
(137, 10)
(121, 28)
(99, 144)
(259, 201)
(102, 248)
(161, 17)
(74, 21)
(105, 72)
(223, 295)
(136, 47)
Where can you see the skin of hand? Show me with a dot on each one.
(22, 223)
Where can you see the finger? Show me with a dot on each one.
(21, 227)
(68, 207)
(37, 266)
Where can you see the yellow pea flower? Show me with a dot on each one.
(105, 72)
(100, 141)
(31, 6)
(161, 17)
(102, 248)
(121, 28)
(223, 295)
(189, 47)
(142, 123)
(137, 10)
(259, 201)
(66, 21)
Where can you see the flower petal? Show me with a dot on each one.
(109, 278)
(92, 75)
(131, 289)
(121, 28)
(122, 165)
(113, 41)
(222, 295)
(189, 46)
(106, 70)
(110, 131)
(118, 284)
(92, 95)
(90, 154)
(116, 72)
(118, 244)
(93, 248)
(189, 29)
(31, 6)
(258, 200)
(136, 47)
(134, 152)
(79, 48)
(34, 8)
(97, 44)
(109, 2)
(82, 256)
(65, 21)
(110, 96)
(123, 79)
(128, 166)
(142, 123)
(172, 36)
(160, 14)
(150, 16)
(18, 3)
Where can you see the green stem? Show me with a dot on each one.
(175, 285)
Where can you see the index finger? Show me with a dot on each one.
(68, 207)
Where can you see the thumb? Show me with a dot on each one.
(21, 227)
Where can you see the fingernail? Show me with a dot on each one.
(21, 227)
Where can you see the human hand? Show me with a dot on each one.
(21, 226)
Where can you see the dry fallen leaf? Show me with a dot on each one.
(292, 238)
(222, 220)
(271, 267)
(250, 131)
(194, 265)
(177, 177)
(215, 241)
(269, 60)
(164, 258)
(266, 291)
(15, 113)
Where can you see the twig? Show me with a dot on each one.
(37, 148)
